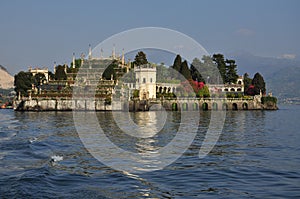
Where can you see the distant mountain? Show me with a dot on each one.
(282, 76)
(6, 80)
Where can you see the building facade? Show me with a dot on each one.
(145, 77)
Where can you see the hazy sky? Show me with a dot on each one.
(37, 33)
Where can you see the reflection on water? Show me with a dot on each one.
(140, 124)
(115, 148)
(256, 156)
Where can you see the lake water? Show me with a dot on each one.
(256, 156)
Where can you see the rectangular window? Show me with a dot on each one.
(144, 80)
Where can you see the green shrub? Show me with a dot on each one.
(136, 93)
(267, 99)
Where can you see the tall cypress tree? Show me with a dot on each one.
(195, 73)
(184, 70)
(247, 82)
(176, 67)
(220, 61)
(177, 63)
(259, 84)
(231, 74)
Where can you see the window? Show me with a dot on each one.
(138, 80)
(151, 80)
(144, 80)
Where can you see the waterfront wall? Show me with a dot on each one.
(180, 104)
(63, 104)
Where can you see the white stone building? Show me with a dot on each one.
(238, 87)
(145, 77)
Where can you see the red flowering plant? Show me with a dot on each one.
(193, 88)
(250, 90)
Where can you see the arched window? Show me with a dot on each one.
(195, 106)
(234, 107)
(184, 106)
(205, 106)
(215, 106)
(174, 107)
(225, 106)
(245, 106)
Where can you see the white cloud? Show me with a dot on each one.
(245, 32)
(288, 56)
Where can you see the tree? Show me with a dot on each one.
(51, 75)
(23, 82)
(220, 61)
(231, 74)
(247, 83)
(110, 70)
(185, 71)
(259, 84)
(140, 59)
(176, 67)
(195, 70)
(204, 92)
(209, 70)
(60, 73)
(77, 63)
(38, 79)
(162, 73)
(177, 63)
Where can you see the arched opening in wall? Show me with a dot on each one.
(165, 89)
(205, 106)
(234, 107)
(245, 106)
(160, 89)
(239, 89)
(195, 107)
(240, 82)
(225, 106)
(169, 89)
(184, 106)
(226, 89)
(215, 106)
(157, 89)
(232, 89)
(173, 89)
(174, 107)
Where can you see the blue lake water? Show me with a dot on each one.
(256, 156)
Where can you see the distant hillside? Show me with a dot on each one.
(281, 75)
(6, 80)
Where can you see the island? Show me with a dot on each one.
(113, 84)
